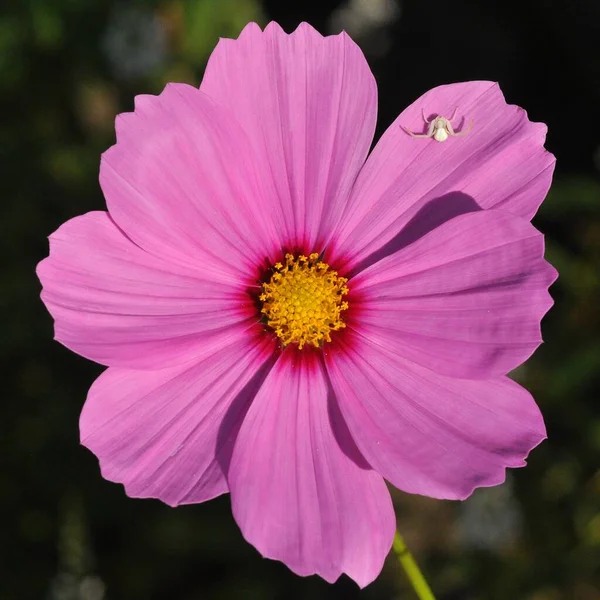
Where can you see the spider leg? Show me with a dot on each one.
(415, 135)
(420, 135)
(424, 117)
(459, 133)
(453, 114)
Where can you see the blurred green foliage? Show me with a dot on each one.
(66, 533)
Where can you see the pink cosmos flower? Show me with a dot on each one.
(291, 321)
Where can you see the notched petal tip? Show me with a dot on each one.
(41, 266)
(275, 29)
(142, 102)
(308, 29)
(537, 128)
(251, 28)
(142, 105)
(125, 485)
(552, 274)
(147, 106)
(499, 477)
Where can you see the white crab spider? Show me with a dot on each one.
(439, 128)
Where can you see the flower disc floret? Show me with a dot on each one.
(303, 301)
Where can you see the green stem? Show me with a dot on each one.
(406, 560)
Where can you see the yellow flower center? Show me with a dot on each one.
(303, 300)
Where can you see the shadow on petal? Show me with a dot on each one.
(433, 214)
(341, 432)
(236, 412)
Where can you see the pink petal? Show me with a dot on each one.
(309, 105)
(429, 434)
(114, 303)
(465, 300)
(182, 182)
(161, 433)
(501, 163)
(300, 490)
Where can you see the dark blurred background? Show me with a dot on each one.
(67, 67)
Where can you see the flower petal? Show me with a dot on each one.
(429, 434)
(465, 300)
(300, 490)
(309, 105)
(160, 433)
(114, 303)
(500, 162)
(182, 182)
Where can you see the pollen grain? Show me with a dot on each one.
(303, 300)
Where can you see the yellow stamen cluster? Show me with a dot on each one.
(303, 301)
